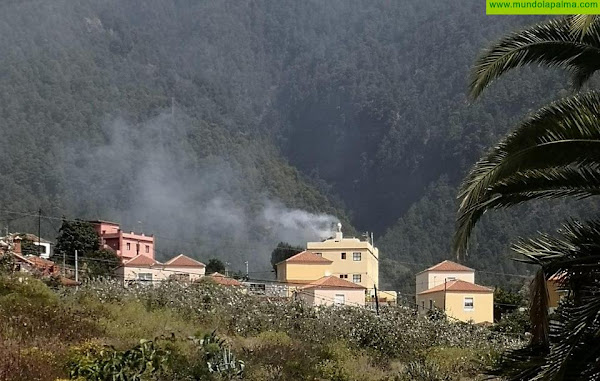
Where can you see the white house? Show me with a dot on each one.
(142, 268)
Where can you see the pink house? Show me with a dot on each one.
(126, 245)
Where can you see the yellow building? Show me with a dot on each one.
(556, 291)
(303, 268)
(450, 287)
(351, 259)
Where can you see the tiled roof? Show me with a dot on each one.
(28, 236)
(141, 260)
(306, 257)
(332, 282)
(68, 282)
(223, 280)
(21, 258)
(183, 261)
(457, 285)
(448, 266)
(558, 277)
(40, 262)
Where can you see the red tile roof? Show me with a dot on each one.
(306, 257)
(332, 282)
(68, 282)
(223, 280)
(448, 266)
(40, 262)
(21, 258)
(141, 260)
(183, 261)
(457, 285)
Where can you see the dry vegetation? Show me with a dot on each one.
(205, 331)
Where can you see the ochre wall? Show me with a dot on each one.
(483, 305)
(554, 295)
(367, 267)
(289, 272)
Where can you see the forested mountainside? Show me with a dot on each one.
(215, 123)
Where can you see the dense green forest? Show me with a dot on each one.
(227, 126)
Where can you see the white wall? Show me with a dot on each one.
(159, 273)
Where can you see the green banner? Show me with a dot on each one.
(542, 7)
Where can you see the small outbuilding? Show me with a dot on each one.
(332, 290)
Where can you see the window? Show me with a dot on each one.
(181, 277)
(343, 255)
(339, 299)
(423, 305)
(356, 278)
(430, 304)
(145, 277)
(147, 249)
(356, 256)
(128, 246)
(344, 276)
(468, 304)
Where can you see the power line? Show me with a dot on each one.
(241, 246)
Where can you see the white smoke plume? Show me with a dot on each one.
(149, 178)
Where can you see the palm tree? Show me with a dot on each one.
(553, 153)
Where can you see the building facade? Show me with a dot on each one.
(352, 259)
(450, 287)
(443, 272)
(331, 290)
(556, 290)
(125, 245)
(145, 269)
(303, 268)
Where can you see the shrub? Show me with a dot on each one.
(93, 362)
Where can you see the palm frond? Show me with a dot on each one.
(571, 351)
(553, 43)
(553, 152)
(582, 25)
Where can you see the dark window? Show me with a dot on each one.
(128, 246)
(147, 249)
(343, 255)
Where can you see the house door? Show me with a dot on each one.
(339, 299)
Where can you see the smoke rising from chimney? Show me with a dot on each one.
(204, 207)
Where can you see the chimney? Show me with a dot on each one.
(17, 245)
(338, 234)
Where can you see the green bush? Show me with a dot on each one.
(94, 362)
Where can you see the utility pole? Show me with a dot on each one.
(445, 280)
(227, 269)
(76, 268)
(39, 231)
(247, 273)
(172, 106)
(376, 300)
